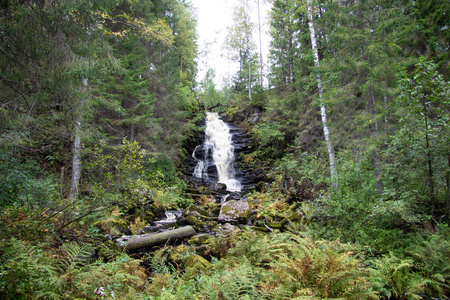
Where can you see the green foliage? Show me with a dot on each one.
(302, 267)
(24, 183)
(303, 175)
(271, 138)
(423, 139)
(170, 199)
(163, 172)
(358, 213)
(398, 279)
(269, 133)
(431, 255)
(120, 169)
(38, 273)
(235, 283)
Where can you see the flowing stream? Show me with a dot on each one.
(218, 150)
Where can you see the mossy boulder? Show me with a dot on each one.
(198, 212)
(235, 211)
(183, 255)
(112, 225)
(196, 261)
(191, 220)
(200, 239)
(225, 230)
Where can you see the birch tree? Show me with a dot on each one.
(240, 45)
(76, 158)
(323, 111)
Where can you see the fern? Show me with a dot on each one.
(73, 256)
(29, 272)
(301, 267)
(235, 283)
(399, 280)
(432, 257)
(36, 273)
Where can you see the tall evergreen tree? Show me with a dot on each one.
(285, 43)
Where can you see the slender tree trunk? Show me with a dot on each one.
(429, 162)
(373, 131)
(249, 83)
(323, 111)
(448, 188)
(76, 159)
(76, 162)
(260, 48)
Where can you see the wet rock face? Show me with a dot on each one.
(242, 144)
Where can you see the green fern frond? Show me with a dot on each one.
(166, 295)
(159, 263)
(73, 256)
(235, 283)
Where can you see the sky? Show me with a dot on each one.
(213, 17)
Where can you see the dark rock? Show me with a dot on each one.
(233, 196)
(218, 187)
(243, 143)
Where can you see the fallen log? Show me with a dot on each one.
(136, 242)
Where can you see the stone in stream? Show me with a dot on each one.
(235, 211)
(218, 187)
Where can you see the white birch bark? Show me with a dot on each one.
(260, 48)
(76, 159)
(323, 111)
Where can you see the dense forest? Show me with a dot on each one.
(348, 129)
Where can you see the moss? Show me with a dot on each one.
(182, 255)
(200, 239)
(111, 225)
(197, 262)
(275, 225)
(235, 211)
(194, 221)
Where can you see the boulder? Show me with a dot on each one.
(183, 255)
(233, 196)
(225, 230)
(235, 211)
(200, 240)
(218, 187)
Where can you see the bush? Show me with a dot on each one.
(23, 182)
(358, 214)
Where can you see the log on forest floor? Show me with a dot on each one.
(136, 242)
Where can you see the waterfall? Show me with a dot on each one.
(218, 150)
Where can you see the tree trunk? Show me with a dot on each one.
(76, 159)
(136, 242)
(373, 131)
(323, 111)
(429, 162)
(260, 48)
(448, 188)
(249, 83)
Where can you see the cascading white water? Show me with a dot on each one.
(218, 142)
